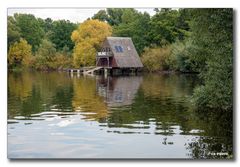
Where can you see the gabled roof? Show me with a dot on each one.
(129, 56)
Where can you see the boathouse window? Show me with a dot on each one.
(119, 48)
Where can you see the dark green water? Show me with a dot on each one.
(56, 115)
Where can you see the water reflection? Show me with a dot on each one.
(118, 91)
(119, 117)
(86, 100)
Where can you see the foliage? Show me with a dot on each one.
(62, 61)
(101, 15)
(115, 16)
(168, 26)
(13, 31)
(213, 33)
(19, 54)
(135, 25)
(111, 15)
(61, 34)
(30, 29)
(84, 54)
(45, 55)
(156, 59)
(88, 39)
(181, 57)
(47, 26)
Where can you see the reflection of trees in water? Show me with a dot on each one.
(160, 97)
(19, 85)
(163, 102)
(217, 141)
(210, 147)
(169, 85)
(153, 104)
(34, 92)
(86, 99)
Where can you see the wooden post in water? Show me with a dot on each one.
(78, 73)
(71, 73)
(105, 72)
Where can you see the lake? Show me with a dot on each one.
(59, 115)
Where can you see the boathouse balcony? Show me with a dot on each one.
(104, 54)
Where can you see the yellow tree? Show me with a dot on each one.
(20, 53)
(88, 38)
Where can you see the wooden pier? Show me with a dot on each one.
(79, 70)
(103, 71)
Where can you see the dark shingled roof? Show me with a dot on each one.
(129, 57)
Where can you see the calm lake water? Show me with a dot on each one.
(57, 115)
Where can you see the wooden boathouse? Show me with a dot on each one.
(118, 55)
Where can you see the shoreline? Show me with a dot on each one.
(65, 70)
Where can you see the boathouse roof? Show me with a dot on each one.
(124, 52)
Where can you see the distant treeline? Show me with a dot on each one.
(185, 40)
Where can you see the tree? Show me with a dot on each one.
(135, 25)
(88, 39)
(114, 16)
(19, 54)
(213, 34)
(30, 29)
(167, 26)
(45, 55)
(101, 15)
(182, 24)
(46, 24)
(13, 31)
(61, 34)
(84, 54)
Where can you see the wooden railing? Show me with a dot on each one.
(104, 54)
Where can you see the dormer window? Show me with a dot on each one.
(119, 48)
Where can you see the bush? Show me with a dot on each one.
(156, 59)
(62, 61)
(19, 54)
(45, 55)
(181, 57)
(47, 58)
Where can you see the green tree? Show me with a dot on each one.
(101, 15)
(45, 55)
(135, 25)
(30, 29)
(182, 24)
(213, 34)
(19, 54)
(13, 31)
(181, 56)
(46, 24)
(168, 26)
(114, 16)
(61, 34)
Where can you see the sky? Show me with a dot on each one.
(75, 15)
